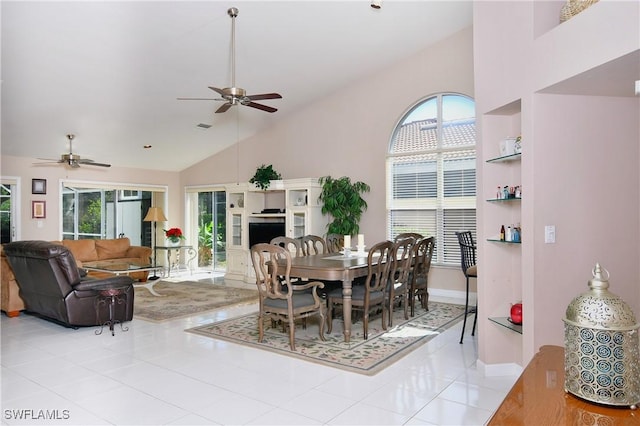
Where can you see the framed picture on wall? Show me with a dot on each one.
(38, 186)
(38, 209)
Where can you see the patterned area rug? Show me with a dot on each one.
(360, 356)
(187, 298)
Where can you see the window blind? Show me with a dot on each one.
(431, 182)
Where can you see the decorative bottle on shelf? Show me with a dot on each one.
(507, 235)
(502, 234)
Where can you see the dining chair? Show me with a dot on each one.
(398, 284)
(469, 269)
(419, 274)
(279, 298)
(372, 293)
(335, 243)
(294, 245)
(413, 235)
(313, 244)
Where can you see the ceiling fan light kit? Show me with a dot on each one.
(236, 95)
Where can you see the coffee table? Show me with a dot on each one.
(119, 268)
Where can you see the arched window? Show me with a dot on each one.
(431, 173)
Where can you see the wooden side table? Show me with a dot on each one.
(538, 398)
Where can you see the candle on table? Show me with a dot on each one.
(360, 240)
(347, 241)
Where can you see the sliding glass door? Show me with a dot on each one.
(8, 204)
(206, 218)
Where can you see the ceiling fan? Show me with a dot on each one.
(236, 95)
(73, 160)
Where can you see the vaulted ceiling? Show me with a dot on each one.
(110, 72)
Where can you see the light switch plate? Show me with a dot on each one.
(549, 234)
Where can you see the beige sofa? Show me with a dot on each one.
(116, 250)
(12, 303)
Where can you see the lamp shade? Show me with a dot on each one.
(154, 214)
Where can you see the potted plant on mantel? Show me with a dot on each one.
(342, 199)
(264, 175)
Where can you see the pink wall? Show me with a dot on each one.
(586, 167)
(348, 132)
(578, 169)
(50, 230)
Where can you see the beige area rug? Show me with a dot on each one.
(186, 298)
(360, 356)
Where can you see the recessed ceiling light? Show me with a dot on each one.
(146, 146)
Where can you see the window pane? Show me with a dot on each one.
(420, 221)
(456, 220)
(431, 181)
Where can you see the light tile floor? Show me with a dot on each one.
(158, 374)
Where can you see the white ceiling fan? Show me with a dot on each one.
(71, 159)
(236, 95)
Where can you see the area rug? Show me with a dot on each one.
(186, 298)
(360, 356)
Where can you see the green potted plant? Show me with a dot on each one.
(342, 199)
(264, 175)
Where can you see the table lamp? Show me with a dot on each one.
(154, 215)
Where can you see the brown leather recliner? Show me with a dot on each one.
(51, 286)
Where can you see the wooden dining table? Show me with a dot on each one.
(333, 267)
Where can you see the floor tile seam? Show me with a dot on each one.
(51, 390)
(161, 400)
(394, 413)
(418, 394)
(170, 371)
(462, 406)
(311, 419)
(466, 404)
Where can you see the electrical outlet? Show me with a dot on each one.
(549, 234)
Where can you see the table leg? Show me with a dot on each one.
(346, 307)
(149, 286)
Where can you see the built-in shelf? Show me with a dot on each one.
(512, 157)
(267, 215)
(504, 321)
(503, 200)
(498, 240)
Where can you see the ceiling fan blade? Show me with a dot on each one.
(215, 89)
(200, 99)
(90, 163)
(260, 106)
(264, 96)
(223, 108)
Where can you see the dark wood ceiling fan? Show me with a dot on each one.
(236, 95)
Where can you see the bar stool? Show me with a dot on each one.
(469, 269)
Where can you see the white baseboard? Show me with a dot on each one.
(453, 294)
(505, 369)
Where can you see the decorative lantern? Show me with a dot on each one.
(602, 350)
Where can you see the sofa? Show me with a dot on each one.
(12, 303)
(52, 288)
(116, 250)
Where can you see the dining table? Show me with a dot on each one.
(334, 267)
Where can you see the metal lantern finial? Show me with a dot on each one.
(602, 350)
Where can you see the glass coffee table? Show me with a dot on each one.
(119, 268)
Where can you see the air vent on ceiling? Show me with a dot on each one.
(204, 126)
